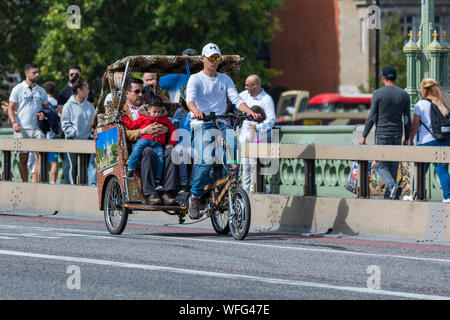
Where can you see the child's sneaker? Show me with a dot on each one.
(159, 187)
(184, 188)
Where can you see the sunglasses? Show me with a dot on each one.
(72, 74)
(137, 91)
(212, 59)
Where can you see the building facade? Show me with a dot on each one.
(329, 45)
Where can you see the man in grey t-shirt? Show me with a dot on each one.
(25, 106)
(390, 113)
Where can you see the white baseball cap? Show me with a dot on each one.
(211, 49)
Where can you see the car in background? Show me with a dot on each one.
(294, 107)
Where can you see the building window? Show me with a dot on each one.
(410, 23)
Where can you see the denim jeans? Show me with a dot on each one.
(139, 147)
(204, 137)
(92, 171)
(70, 167)
(388, 170)
(184, 157)
(441, 168)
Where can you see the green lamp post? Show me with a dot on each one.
(428, 58)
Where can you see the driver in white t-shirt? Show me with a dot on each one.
(207, 91)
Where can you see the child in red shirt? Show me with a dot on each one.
(150, 114)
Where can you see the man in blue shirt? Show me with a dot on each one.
(174, 82)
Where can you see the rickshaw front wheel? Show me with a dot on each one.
(116, 215)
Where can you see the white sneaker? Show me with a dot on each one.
(407, 198)
(446, 200)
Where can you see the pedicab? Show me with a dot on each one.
(224, 202)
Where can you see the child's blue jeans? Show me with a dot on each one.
(139, 147)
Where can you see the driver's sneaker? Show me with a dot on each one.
(194, 207)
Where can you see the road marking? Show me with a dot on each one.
(7, 238)
(305, 249)
(224, 275)
(50, 233)
(233, 242)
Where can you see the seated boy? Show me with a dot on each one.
(148, 114)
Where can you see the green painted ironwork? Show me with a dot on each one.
(428, 58)
(331, 175)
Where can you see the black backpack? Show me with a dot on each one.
(440, 124)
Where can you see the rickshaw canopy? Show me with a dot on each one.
(173, 64)
(161, 65)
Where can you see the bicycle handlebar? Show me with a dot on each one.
(212, 116)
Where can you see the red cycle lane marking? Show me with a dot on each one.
(265, 235)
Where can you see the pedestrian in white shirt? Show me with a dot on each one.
(255, 95)
(249, 134)
(26, 102)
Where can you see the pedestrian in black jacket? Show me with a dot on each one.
(390, 112)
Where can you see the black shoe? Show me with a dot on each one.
(194, 208)
(130, 173)
(396, 192)
(154, 199)
(167, 199)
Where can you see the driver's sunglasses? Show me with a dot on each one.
(137, 91)
(212, 59)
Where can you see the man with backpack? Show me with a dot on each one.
(390, 113)
(431, 122)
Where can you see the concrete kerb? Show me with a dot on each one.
(409, 220)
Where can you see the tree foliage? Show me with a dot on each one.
(110, 30)
(392, 40)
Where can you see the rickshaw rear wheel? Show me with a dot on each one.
(116, 215)
(239, 219)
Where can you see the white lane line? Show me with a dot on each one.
(224, 275)
(236, 243)
(304, 249)
(59, 232)
(31, 235)
(7, 238)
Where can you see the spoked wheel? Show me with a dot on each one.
(116, 215)
(239, 217)
(220, 222)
